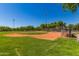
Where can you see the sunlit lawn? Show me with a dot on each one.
(27, 46)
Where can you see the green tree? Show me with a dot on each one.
(38, 28)
(29, 28)
(44, 26)
(76, 27)
(5, 28)
(70, 6)
(60, 25)
(70, 27)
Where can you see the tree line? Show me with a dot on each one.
(54, 26)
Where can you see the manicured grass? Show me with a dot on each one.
(26, 46)
(34, 32)
(24, 32)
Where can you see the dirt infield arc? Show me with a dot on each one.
(49, 35)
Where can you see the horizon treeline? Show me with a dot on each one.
(54, 26)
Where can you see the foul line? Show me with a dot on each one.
(49, 48)
(17, 52)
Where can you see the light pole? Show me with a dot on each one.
(46, 15)
(13, 23)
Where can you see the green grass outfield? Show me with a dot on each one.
(24, 32)
(27, 46)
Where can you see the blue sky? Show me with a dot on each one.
(34, 14)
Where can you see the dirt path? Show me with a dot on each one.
(48, 36)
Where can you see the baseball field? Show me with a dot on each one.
(25, 44)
